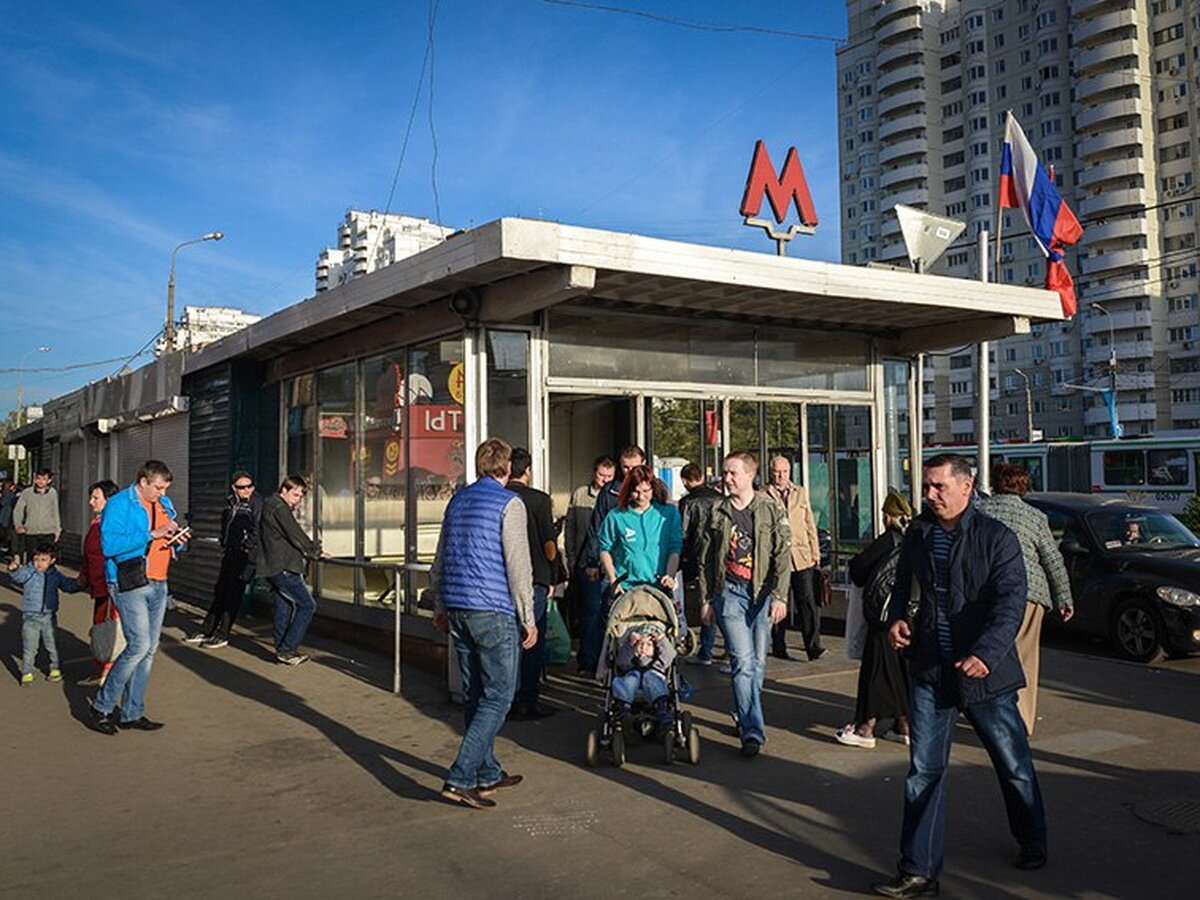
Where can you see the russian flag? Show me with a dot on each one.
(1026, 185)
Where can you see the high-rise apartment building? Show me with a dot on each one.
(371, 240)
(1106, 92)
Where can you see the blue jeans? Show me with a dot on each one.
(533, 660)
(294, 608)
(651, 682)
(746, 624)
(141, 612)
(35, 628)
(488, 648)
(595, 617)
(1002, 733)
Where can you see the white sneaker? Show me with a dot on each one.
(197, 638)
(896, 737)
(851, 738)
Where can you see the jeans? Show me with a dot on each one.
(746, 624)
(35, 628)
(651, 682)
(533, 660)
(294, 608)
(595, 618)
(488, 650)
(141, 612)
(1002, 733)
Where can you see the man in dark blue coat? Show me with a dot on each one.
(958, 601)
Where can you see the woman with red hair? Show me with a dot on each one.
(641, 539)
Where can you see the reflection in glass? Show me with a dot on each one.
(435, 392)
(676, 429)
(852, 482)
(744, 433)
(336, 476)
(508, 386)
(782, 425)
(895, 425)
(301, 417)
(382, 472)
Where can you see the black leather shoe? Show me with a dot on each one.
(1032, 856)
(101, 722)
(751, 748)
(506, 781)
(904, 885)
(781, 653)
(817, 654)
(142, 724)
(467, 797)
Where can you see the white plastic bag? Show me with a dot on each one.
(856, 624)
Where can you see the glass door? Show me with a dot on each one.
(841, 477)
(681, 430)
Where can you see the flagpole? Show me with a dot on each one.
(1000, 209)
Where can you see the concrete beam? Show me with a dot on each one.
(517, 297)
(940, 337)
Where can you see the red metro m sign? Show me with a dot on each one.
(781, 191)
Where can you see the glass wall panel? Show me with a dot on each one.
(815, 360)
(336, 476)
(508, 386)
(300, 410)
(853, 484)
(436, 455)
(819, 488)
(384, 477)
(782, 427)
(744, 431)
(676, 432)
(895, 426)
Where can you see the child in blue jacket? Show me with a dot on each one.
(41, 581)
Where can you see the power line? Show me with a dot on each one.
(695, 25)
(437, 205)
(70, 368)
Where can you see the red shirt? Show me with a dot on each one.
(93, 563)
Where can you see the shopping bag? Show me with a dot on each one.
(856, 623)
(108, 640)
(558, 639)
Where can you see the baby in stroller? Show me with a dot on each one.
(643, 664)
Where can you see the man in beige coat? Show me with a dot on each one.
(806, 560)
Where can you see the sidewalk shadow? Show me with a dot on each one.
(374, 757)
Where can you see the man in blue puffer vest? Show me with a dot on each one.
(482, 591)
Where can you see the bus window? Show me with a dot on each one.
(1167, 467)
(1124, 467)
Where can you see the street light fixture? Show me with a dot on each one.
(1112, 350)
(44, 348)
(169, 330)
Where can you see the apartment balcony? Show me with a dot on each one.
(1111, 260)
(895, 28)
(1093, 29)
(1110, 141)
(889, 9)
(894, 252)
(914, 71)
(917, 146)
(902, 100)
(896, 52)
(891, 227)
(1110, 171)
(909, 197)
(891, 178)
(912, 122)
(1081, 8)
(1126, 412)
(1100, 323)
(1111, 201)
(1090, 116)
(1090, 90)
(1136, 381)
(1114, 229)
(1104, 56)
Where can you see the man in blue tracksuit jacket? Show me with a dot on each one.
(958, 601)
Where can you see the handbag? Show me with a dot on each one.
(558, 639)
(108, 639)
(131, 574)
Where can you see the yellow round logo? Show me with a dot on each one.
(457, 383)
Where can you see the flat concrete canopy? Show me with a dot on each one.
(518, 266)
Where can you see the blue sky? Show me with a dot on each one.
(129, 127)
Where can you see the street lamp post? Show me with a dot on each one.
(1028, 407)
(169, 330)
(45, 348)
(1112, 350)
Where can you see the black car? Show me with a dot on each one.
(1135, 573)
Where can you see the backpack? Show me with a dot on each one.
(878, 592)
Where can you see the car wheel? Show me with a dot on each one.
(1137, 631)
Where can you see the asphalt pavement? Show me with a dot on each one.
(316, 781)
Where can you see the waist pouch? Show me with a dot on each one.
(131, 574)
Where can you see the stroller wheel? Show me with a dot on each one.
(688, 646)
(668, 742)
(691, 737)
(618, 748)
(593, 748)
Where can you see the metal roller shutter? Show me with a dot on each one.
(169, 442)
(132, 451)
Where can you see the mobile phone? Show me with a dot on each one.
(180, 535)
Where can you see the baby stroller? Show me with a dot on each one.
(644, 607)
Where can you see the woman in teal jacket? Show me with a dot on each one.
(641, 539)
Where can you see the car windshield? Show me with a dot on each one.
(1139, 529)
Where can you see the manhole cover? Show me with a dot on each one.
(555, 823)
(1176, 816)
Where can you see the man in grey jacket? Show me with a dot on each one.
(35, 517)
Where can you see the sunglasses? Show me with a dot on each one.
(243, 487)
